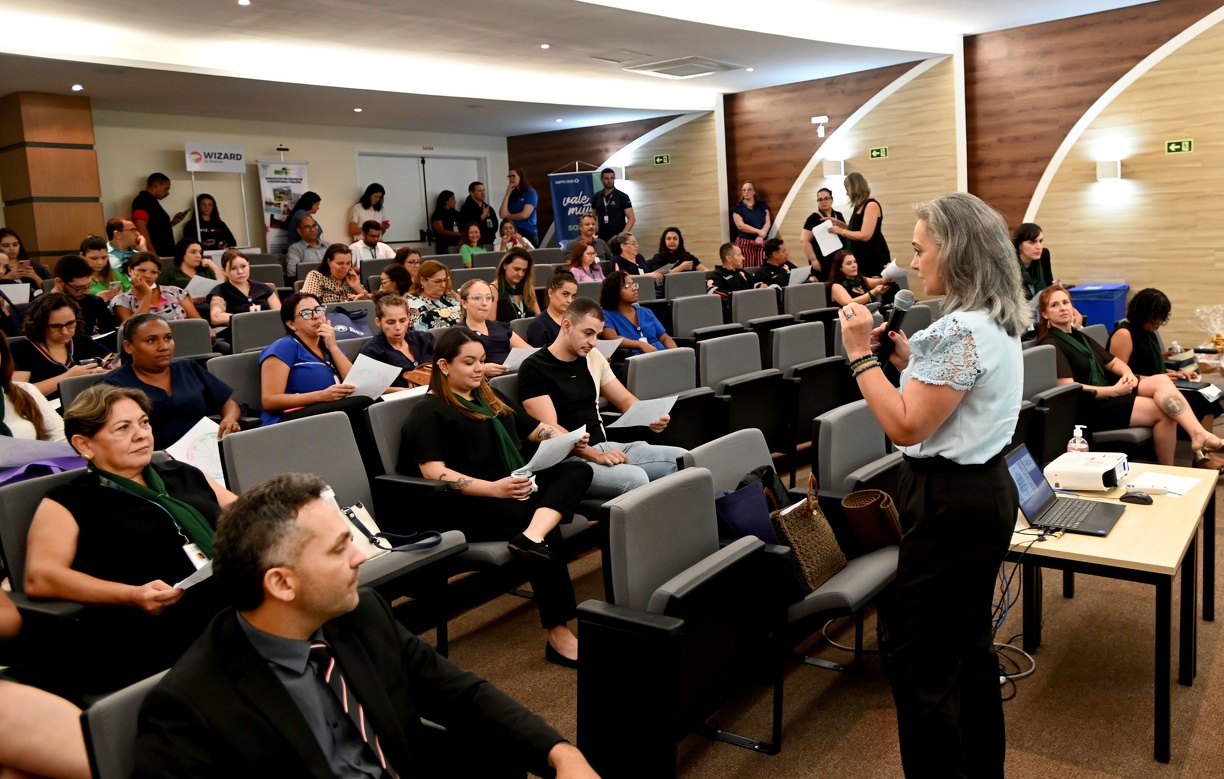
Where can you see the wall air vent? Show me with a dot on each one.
(683, 67)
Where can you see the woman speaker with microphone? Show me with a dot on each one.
(955, 411)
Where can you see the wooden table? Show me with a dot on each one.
(1149, 544)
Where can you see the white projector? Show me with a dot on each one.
(1087, 471)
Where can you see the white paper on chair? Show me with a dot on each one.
(554, 450)
(371, 377)
(205, 572)
(16, 293)
(405, 394)
(198, 447)
(606, 348)
(199, 286)
(1211, 392)
(515, 359)
(800, 275)
(828, 242)
(645, 412)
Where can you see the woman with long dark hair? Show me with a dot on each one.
(335, 280)
(1033, 257)
(672, 257)
(16, 265)
(306, 205)
(27, 414)
(847, 285)
(444, 221)
(520, 203)
(582, 262)
(368, 209)
(212, 233)
(516, 298)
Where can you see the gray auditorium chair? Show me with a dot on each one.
(553, 255)
(357, 305)
(519, 326)
(109, 727)
(686, 624)
(1098, 332)
(589, 289)
(268, 274)
(374, 267)
(683, 284)
(487, 260)
(839, 348)
(936, 306)
(818, 383)
(698, 415)
(74, 385)
(699, 317)
(827, 316)
(241, 372)
(757, 310)
(803, 297)
(255, 329)
(460, 276)
(304, 269)
(18, 502)
(352, 346)
(917, 318)
(192, 338)
(796, 344)
(755, 396)
(846, 439)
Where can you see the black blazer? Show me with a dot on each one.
(221, 711)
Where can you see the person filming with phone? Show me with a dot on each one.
(151, 219)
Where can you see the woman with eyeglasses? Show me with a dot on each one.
(305, 367)
(479, 301)
(623, 318)
(149, 297)
(394, 278)
(583, 263)
(410, 258)
(335, 280)
(820, 262)
(431, 301)
(53, 350)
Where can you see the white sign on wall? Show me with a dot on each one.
(214, 157)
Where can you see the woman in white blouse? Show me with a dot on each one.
(954, 413)
(27, 414)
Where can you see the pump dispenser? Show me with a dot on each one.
(1078, 443)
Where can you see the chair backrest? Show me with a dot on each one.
(1040, 369)
(374, 267)
(322, 445)
(662, 373)
(506, 384)
(722, 358)
(74, 385)
(520, 326)
(461, 276)
(357, 305)
(589, 289)
(352, 346)
(386, 427)
(18, 503)
(265, 259)
(795, 344)
(553, 255)
(697, 311)
(241, 373)
(109, 727)
(304, 269)
(752, 304)
(658, 530)
(849, 437)
(803, 297)
(192, 338)
(683, 284)
(268, 274)
(917, 318)
(1098, 332)
(936, 306)
(730, 458)
(839, 348)
(255, 330)
(487, 260)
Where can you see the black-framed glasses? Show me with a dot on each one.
(311, 313)
(80, 289)
(438, 280)
(61, 328)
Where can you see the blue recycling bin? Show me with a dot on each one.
(1101, 304)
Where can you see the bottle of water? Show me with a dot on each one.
(1078, 443)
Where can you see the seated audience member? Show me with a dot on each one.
(846, 286)
(298, 644)
(639, 328)
(445, 222)
(582, 262)
(587, 231)
(561, 290)
(469, 244)
(335, 280)
(776, 270)
(398, 344)
(27, 414)
(627, 257)
(189, 262)
(104, 281)
(371, 247)
(121, 535)
(306, 207)
(410, 258)
(556, 393)
(368, 209)
(40, 733)
(238, 294)
(1034, 259)
(478, 300)
(395, 278)
(467, 434)
(10, 320)
(516, 286)
(16, 265)
(672, 257)
(476, 209)
(730, 275)
(122, 241)
(510, 238)
(147, 296)
(180, 392)
(72, 277)
(213, 234)
(431, 301)
(1127, 401)
(307, 251)
(53, 351)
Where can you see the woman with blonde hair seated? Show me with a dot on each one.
(479, 301)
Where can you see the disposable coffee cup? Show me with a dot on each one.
(523, 473)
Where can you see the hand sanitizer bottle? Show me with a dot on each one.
(1078, 443)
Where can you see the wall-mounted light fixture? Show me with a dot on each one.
(1109, 169)
(820, 122)
(834, 168)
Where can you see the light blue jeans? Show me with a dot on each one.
(647, 462)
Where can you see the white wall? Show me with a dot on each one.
(132, 145)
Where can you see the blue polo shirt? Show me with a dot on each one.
(195, 394)
(307, 373)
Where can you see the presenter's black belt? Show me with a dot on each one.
(942, 464)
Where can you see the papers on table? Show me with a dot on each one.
(800, 275)
(199, 286)
(645, 412)
(554, 450)
(205, 572)
(371, 377)
(18, 292)
(1174, 485)
(606, 348)
(516, 357)
(827, 241)
(198, 447)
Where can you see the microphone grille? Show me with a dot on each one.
(904, 300)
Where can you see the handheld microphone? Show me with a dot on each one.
(901, 304)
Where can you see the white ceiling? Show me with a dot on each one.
(465, 66)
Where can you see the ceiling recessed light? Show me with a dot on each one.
(244, 2)
(559, 121)
(357, 110)
(544, 46)
(77, 87)
(749, 69)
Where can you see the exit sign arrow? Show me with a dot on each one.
(1179, 147)
(662, 159)
(878, 153)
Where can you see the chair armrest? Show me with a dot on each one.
(46, 608)
(627, 620)
(713, 331)
(860, 478)
(412, 483)
(747, 378)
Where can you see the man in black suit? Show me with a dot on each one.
(249, 698)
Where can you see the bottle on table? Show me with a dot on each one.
(1078, 443)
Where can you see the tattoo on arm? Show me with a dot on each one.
(547, 433)
(1173, 404)
(458, 485)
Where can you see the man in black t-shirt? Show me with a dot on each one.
(72, 277)
(730, 276)
(151, 219)
(612, 207)
(824, 209)
(561, 385)
(776, 270)
(477, 209)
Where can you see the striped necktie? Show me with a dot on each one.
(333, 677)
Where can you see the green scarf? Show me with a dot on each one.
(1149, 339)
(1033, 277)
(511, 457)
(1079, 342)
(185, 515)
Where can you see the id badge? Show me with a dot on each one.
(256, 307)
(197, 557)
(605, 218)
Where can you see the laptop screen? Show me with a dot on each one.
(1035, 491)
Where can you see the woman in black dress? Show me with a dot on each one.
(445, 222)
(866, 229)
(53, 351)
(212, 233)
(238, 294)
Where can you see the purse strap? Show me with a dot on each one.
(392, 542)
(813, 489)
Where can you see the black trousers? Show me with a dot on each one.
(957, 522)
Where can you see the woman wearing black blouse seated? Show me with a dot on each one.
(479, 301)
(180, 392)
(561, 290)
(399, 345)
(121, 535)
(1122, 399)
(467, 434)
(52, 350)
(516, 286)
(238, 294)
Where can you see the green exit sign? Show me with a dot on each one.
(1179, 147)
(879, 153)
(662, 159)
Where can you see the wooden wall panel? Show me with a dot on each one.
(539, 154)
(1026, 87)
(33, 171)
(36, 117)
(770, 135)
(48, 230)
(1160, 225)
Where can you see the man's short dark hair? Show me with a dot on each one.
(72, 266)
(606, 170)
(725, 251)
(157, 178)
(772, 246)
(259, 531)
(369, 225)
(473, 185)
(582, 308)
(114, 225)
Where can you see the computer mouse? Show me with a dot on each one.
(1135, 496)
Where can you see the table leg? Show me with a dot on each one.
(1209, 561)
(1187, 658)
(1030, 578)
(1164, 639)
(1068, 584)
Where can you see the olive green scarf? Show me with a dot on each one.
(511, 457)
(1079, 342)
(189, 520)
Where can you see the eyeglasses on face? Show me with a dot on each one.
(61, 328)
(631, 285)
(479, 298)
(311, 313)
(437, 280)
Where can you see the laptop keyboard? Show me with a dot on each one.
(1067, 513)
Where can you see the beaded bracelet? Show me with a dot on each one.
(864, 368)
(862, 361)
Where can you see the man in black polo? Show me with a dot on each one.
(776, 270)
(151, 219)
(613, 210)
(477, 209)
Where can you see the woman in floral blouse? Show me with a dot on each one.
(431, 301)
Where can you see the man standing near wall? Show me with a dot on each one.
(477, 209)
(151, 219)
(612, 207)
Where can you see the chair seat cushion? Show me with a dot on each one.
(492, 554)
(1136, 436)
(851, 588)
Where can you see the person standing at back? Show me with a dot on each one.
(866, 229)
(824, 211)
(476, 209)
(151, 219)
(613, 209)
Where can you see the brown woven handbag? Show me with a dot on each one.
(815, 553)
(873, 519)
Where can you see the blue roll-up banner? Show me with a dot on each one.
(572, 194)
